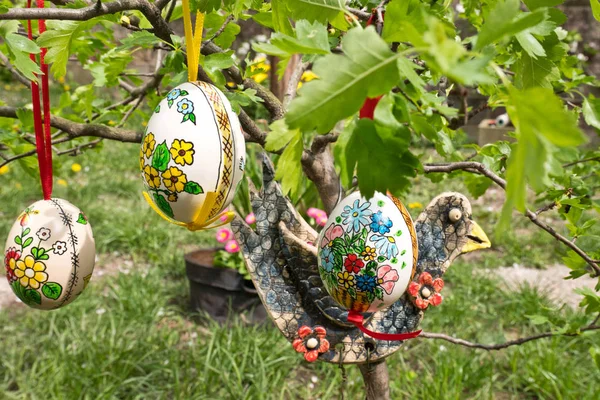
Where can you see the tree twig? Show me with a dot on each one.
(292, 87)
(581, 161)
(500, 346)
(221, 29)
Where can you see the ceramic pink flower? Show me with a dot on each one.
(232, 246)
(426, 291)
(250, 218)
(333, 232)
(223, 235)
(223, 217)
(387, 278)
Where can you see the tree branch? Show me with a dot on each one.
(75, 129)
(500, 346)
(478, 168)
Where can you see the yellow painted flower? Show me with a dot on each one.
(415, 205)
(149, 143)
(61, 182)
(4, 169)
(174, 179)
(75, 167)
(31, 273)
(369, 254)
(152, 176)
(141, 160)
(182, 152)
(345, 279)
(172, 197)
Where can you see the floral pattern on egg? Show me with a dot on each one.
(192, 146)
(50, 254)
(367, 252)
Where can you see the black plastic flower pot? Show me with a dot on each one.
(221, 292)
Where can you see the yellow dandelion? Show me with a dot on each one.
(18, 186)
(415, 205)
(67, 88)
(61, 80)
(61, 182)
(75, 167)
(308, 76)
(4, 169)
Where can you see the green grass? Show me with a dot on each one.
(131, 336)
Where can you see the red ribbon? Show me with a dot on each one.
(357, 319)
(368, 108)
(43, 141)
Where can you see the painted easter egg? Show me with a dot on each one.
(367, 252)
(50, 254)
(193, 146)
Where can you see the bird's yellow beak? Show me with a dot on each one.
(476, 239)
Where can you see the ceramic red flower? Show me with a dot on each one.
(426, 291)
(311, 342)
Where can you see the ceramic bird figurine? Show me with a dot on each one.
(282, 259)
(501, 121)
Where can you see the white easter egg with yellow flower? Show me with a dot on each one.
(49, 254)
(193, 146)
(367, 252)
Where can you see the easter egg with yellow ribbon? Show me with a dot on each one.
(192, 156)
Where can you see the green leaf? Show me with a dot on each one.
(389, 147)
(595, 351)
(32, 297)
(538, 319)
(289, 166)
(531, 72)
(505, 20)
(591, 111)
(21, 47)
(18, 239)
(591, 300)
(163, 204)
(192, 117)
(193, 188)
(595, 4)
(279, 136)
(52, 290)
(535, 4)
(142, 39)
(59, 38)
(531, 45)
(541, 120)
(27, 242)
(368, 68)
(25, 232)
(315, 10)
(281, 23)
(21, 43)
(161, 156)
(408, 24)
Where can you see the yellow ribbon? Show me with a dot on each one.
(193, 39)
(200, 221)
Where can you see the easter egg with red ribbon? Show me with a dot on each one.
(193, 154)
(50, 254)
(367, 252)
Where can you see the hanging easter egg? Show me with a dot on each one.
(367, 252)
(50, 254)
(193, 146)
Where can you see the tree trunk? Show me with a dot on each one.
(377, 380)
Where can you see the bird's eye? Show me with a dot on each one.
(502, 120)
(455, 214)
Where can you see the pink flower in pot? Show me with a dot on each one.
(232, 246)
(223, 235)
(250, 219)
